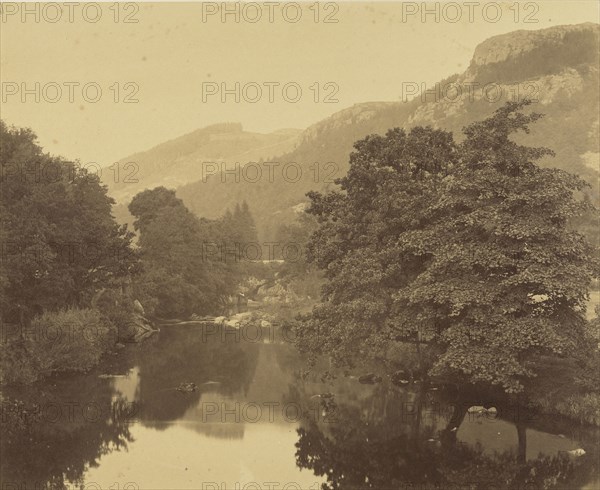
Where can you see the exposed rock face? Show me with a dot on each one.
(352, 115)
(519, 43)
(557, 67)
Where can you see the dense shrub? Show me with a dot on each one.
(118, 309)
(67, 340)
(583, 408)
(567, 387)
(72, 339)
(16, 363)
(167, 295)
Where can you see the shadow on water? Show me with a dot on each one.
(395, 438)
(180, 410)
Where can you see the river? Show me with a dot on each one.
(198, 408)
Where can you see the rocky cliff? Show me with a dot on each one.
(557, 67)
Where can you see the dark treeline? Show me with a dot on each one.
(60, 242)
(189, 265)
(70, 275)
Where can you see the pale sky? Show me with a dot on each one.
(169, 54)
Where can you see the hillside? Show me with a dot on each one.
(557, 66)
(180, 161)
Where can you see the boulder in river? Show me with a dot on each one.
(482, 409)
(188, 387)
(369, 379)
(476, 409)
(400, 377)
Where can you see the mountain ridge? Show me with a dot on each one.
(557, 66)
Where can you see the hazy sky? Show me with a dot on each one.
(163, 60)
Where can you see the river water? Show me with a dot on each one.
(255, 419)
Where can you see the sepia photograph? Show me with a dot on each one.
(300, 245)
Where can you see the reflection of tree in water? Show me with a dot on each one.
(212, 362)
(36, 451)
(57, 445)
(373, 444)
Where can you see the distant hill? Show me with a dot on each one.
(557, 66)
(180, 161)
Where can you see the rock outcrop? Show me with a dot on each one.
(557, 67)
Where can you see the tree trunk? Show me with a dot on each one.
(522, 435)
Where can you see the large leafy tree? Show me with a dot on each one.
(462, 249)
(60, 242)
(185, 270)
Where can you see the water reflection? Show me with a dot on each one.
(385, 441)
(68, 428)
(250, 417)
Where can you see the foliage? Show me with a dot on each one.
(462, 247)
(567, 387)
(60, 242)
(67, 340)
(190, 265)
(584, 408)
(17, 364)
(118, 309)
(294, 237)
(239, 225)
(70, 340)
(169, 295)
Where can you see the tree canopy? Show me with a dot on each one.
(60, 241)
(463, 249)
(188, 267)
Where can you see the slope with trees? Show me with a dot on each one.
(462, 250)
(60, 246)
(190, 265)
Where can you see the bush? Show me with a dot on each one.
(167, 295)
(583, 408)
(71, 340)
(16, 363)
(567, 387)
(67, 340)
(118, 310)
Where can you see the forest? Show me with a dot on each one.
(451, 261)
(70, 275)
